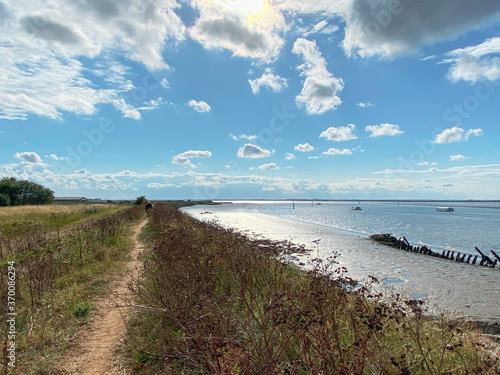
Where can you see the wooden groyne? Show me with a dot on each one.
(402, 243)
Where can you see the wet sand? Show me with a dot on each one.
(456, 289)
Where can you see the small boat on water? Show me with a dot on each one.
(356, 208)
(445, 209)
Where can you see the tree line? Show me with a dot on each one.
(15, 192)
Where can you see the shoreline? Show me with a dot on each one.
(464, 291)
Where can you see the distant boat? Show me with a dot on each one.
(356, 208)
(445, 209)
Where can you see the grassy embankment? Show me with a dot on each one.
(64, 257)
(212, 301)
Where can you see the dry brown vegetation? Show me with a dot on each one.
(211, 301)
(63, 258)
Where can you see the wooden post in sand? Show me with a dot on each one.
(496, 255)
(486, 259)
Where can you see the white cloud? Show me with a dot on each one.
(343, 133)
(28, 157)
(474, 63)
(364, 104)
(248, 29)
(316, 6)
(164, 83)
(320, 90)
(184, 158)
(199, 106)
(40, 69)
(55, 157)
(458, 157)
(242, 136)
(126, 173)
(289, 156)
(268, 79)
(425, 163)
(383, 130)
(157, 185)
(456, 134)
(322, 27)
(253, 152)
(126, 109)
(266, 167)
(390, 28)
(335, 151)
(304, 147)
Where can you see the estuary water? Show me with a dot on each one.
(332, 228)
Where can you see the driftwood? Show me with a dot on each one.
(403, 244)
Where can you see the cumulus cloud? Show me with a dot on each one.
(304, 147)
(28, 157)
(199, 106)
(320, 89)
(269, 166)
(390, 28)
(252, 151)
(458, 157)
(364, 104)
(242, 136)
(55, 157)
(250, 29)
(289, 156)
(383, 130)
(457, 134)
(474, 63)
(126, 172)
(268, 79)
(184, 158)
(343, 133)
(335, 151)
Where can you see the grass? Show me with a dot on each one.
(58, 277)
(211, 301)
(13, 220)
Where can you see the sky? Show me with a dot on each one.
(228, 99)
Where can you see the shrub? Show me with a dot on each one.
(141, 200)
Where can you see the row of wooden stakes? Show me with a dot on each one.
(403, 244)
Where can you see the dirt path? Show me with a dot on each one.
(94, 353)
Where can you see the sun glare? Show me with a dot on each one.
(244, 6)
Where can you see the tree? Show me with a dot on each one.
(141, 200)
(25, 192)
(4, 199)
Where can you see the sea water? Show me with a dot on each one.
(471, 224)
(333, 229)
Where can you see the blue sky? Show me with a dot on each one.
(220, 99)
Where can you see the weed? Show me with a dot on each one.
(81, 309)
(212, 301)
